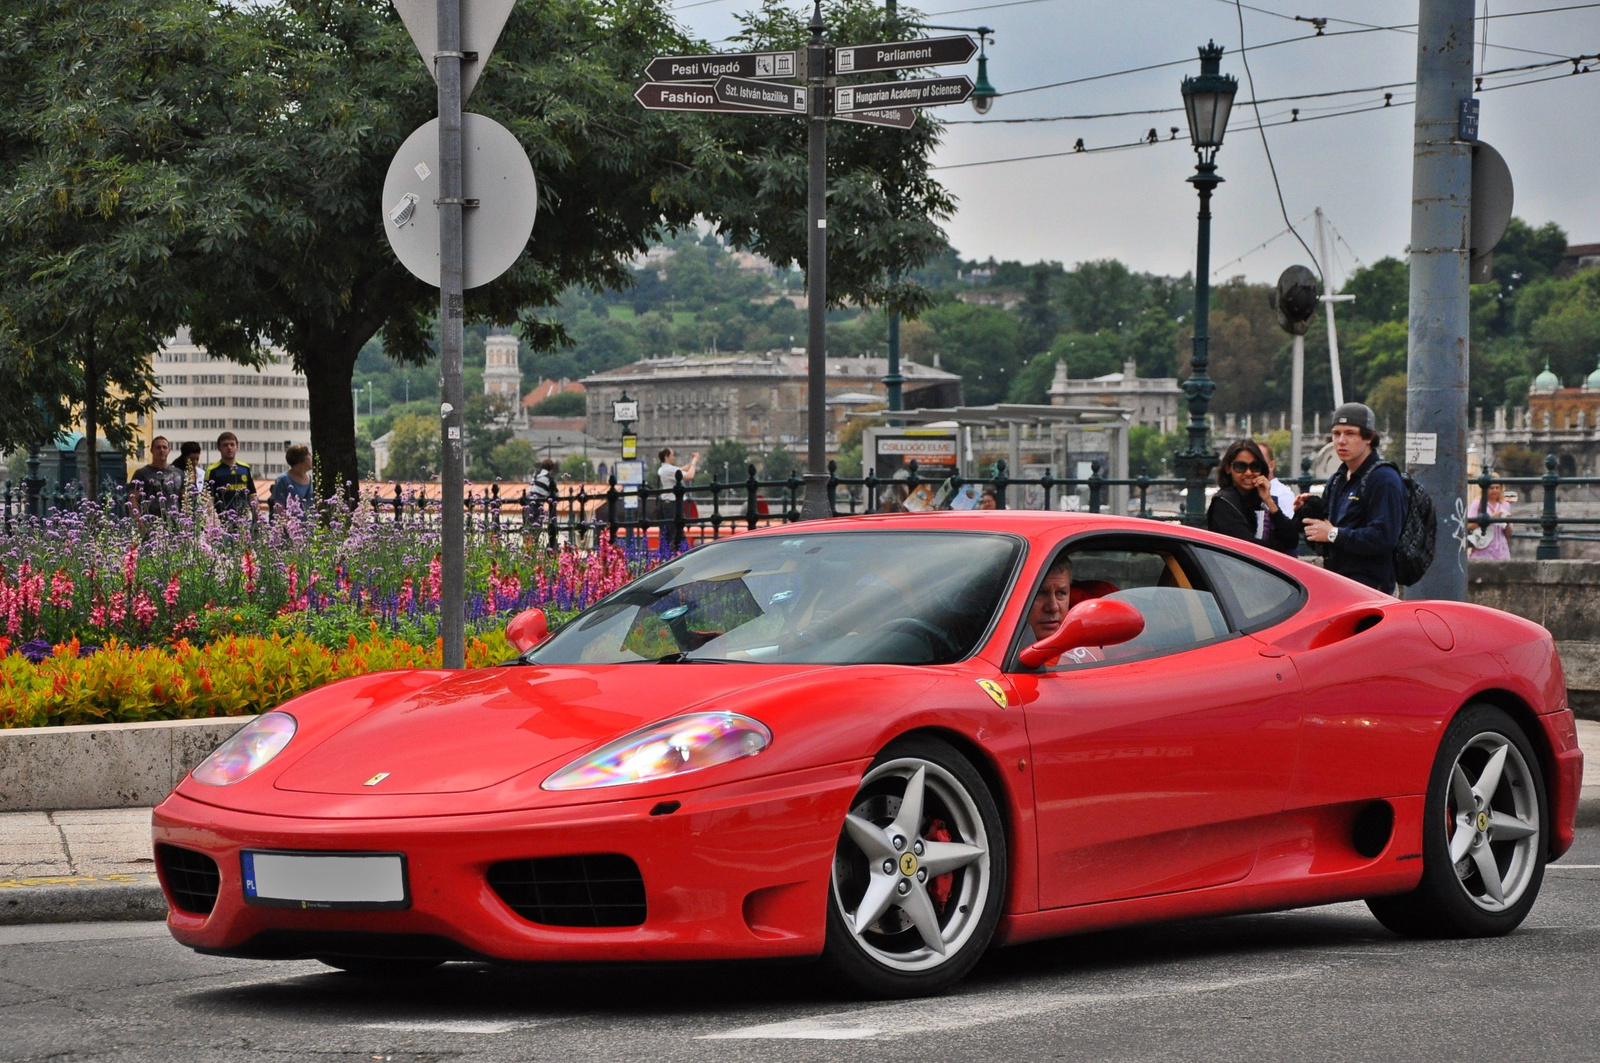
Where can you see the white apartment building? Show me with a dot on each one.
(200, 397)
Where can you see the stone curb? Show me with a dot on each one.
(81, 899)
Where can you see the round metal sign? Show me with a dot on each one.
(1491, 198)
(495, 171)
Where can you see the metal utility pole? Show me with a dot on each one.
(1441, 217)
(453, 554)
(816, 504)
(1328, 299)
(1297, 406)
(893, 382)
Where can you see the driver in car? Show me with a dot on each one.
(1055, 599)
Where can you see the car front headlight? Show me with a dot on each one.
(673, 747)
(249, 749)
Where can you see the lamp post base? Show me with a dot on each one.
(815, 506)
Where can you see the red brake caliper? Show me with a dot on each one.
(939, 888)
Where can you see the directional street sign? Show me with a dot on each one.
(925, 92)
(783, 99)
(711, 67)
(498, 179)
(657, 96)
(899, 117)
(481, 23)
(898, 55)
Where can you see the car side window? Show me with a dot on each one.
(1171, 593)
(1255, 596)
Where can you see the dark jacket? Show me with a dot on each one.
(1369, 509)
(1233, 512)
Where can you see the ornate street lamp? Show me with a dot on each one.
(1207, 99)
(983, 93)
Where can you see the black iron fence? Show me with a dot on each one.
(690, 513)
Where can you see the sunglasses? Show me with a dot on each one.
(1247, 466)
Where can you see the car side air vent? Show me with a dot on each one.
(1344, 626)
(192, 878)
(596, 889)
(1366, 622)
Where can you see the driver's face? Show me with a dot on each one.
(1051, 603)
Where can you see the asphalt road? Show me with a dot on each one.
(1322, 983)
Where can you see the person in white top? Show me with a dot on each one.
(668, 472)
(1281, 492)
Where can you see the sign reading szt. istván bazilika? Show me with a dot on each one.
(761, 94)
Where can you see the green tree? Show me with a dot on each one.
(1150, 450)
(1382, 291)
(487, 420)
(512, 460)
(979, 343)
(725, 460)
(562, 404)
(413, 449)
(1560, 319)
(779, 464)
(577, 467)
(1375, 355)
(101, 208)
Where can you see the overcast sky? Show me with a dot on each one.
(1134, 204)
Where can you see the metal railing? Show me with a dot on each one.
(689, 513)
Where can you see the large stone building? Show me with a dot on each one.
(1557, 420)
(1154, 402)
(201, 397)
(757, 399)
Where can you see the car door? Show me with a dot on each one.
(1157, 763)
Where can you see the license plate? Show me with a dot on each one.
(325, 880)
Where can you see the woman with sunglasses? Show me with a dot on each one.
(1243, 506)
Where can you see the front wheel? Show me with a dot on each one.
(1485, 825)
(918, 874)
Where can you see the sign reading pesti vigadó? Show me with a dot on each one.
(925, 92)
(901, 55)
(733, 64)
(761, 94)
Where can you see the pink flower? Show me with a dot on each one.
(61, 589)
(248, 564)
(144, 610)
(435, 577)
(130, 564)
(170, 595)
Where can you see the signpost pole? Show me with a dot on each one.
(452, 589)
(816, 504)
(893, 380)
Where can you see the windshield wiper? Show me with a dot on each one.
(682, 657)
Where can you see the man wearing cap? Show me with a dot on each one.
(1365, 504)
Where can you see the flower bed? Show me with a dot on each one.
(230, 676)
(92, 577)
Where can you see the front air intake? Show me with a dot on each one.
(192, 878)
(598, 889)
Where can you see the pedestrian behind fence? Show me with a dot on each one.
(1492, 543)
(295, 484)
(154, 489)
(1362, 511)
(542, 491)
(232, 487)
(1244, 506)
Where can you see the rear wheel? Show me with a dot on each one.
(918, 873)
(1485, 824)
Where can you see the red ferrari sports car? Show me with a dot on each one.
(890, 742)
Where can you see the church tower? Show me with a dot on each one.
(501, 375)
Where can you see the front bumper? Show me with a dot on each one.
(737, 871)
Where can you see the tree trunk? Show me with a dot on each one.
(91, 417)
(333, 429)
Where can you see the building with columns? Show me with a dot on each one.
(1154, 402)
(1557, 420)
(758, 399)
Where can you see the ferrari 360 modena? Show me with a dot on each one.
(891, 743)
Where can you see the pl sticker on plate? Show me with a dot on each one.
(994, 690)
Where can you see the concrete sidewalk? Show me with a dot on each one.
(95, 865)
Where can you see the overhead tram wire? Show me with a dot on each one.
(1268, 242)
(1272, 167)
(1145, 143)
(1410, 28)
(1559, 60)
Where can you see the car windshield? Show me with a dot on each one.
(827, 598)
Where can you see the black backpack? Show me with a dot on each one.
(1419, 532)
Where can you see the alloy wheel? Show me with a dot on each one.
(1493, 812)
(911, 874)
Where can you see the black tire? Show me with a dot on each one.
(380, 966)
(1452, 903)
(890, 957)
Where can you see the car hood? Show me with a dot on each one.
(476, 729)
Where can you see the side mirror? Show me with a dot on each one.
(527, 629)
(1096, 622)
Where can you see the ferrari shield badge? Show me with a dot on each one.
(994, 690)
(376, 779)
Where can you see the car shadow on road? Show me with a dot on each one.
(535, 992)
